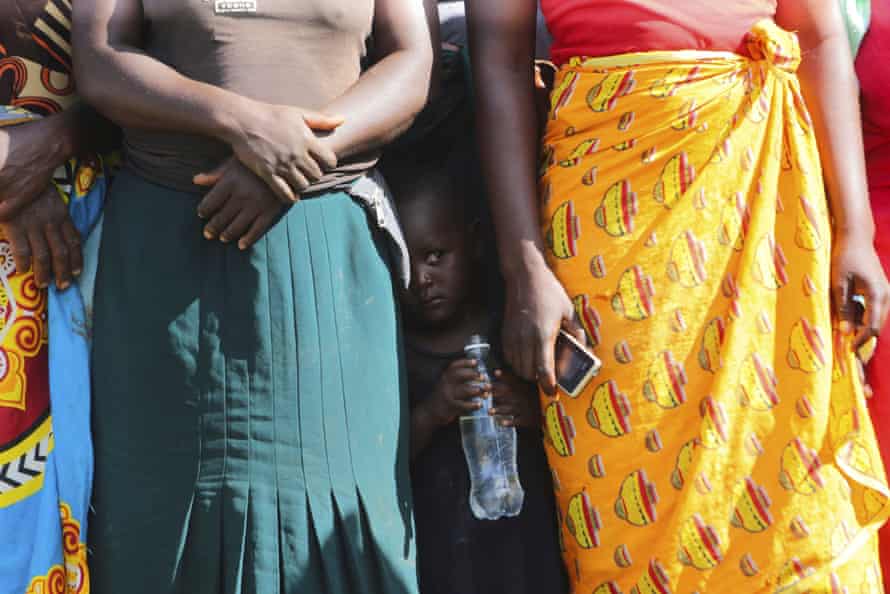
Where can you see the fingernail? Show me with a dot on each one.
(76, 272)
(242, 245)
(201, 215)
(224, 239)
(208, 235)
(63, 285)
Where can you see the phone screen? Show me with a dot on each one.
(573, 364)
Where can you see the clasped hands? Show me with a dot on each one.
(276, 156)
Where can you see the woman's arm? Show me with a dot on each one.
(431, 8)
(30, 152)
(502, 40)
(33, 217)
(135, 90)
(831, 90)
(383, 103)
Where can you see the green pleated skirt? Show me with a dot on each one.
(249, 416)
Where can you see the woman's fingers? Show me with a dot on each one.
(12, 205)
(239, 225)
(574, 328)
(545, 363)
(59, 255)
(41, 261)
(322, 122)
(213, 200)
(280, 187)
(875, 314)
(257, 229)
(212, 177)
(325, 157)
(310, 168)
(297, 180)
(223, 217)
(322, 158)
(21, 248)
(841, 292)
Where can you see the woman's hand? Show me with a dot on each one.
(515, 399)
(42, 235)
(28, 157)
(537, 307)
(456, 392)
(239, 206)
(856, 270)
(280, 145)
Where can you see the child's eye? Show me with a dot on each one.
(434, 256)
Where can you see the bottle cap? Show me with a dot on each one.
(477, 342)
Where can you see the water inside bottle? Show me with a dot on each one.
(490, 450)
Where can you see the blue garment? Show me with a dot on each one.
(44, 533)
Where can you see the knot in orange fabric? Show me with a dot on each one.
(770, 43)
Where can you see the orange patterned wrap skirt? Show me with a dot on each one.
(725, 446)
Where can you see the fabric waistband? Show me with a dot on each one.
(766, 42)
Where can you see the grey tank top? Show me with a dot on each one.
(293, 52)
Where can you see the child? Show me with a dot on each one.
(445, 305)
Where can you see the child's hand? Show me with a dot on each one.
(515, 398)
(454, 395)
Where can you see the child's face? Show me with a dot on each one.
(442, 257)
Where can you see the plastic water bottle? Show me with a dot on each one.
(490, 450)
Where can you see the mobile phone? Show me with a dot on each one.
(575, 365)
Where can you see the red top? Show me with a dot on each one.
(609, 27)
(874, 81)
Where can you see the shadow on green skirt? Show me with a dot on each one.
(249, 416)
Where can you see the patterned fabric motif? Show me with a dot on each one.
(46, 459)
(725, 446)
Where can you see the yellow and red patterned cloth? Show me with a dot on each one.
(725, 446)
(45, 447)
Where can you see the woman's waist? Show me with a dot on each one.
(766, 41)
(632, 26)
(173, 160)
(622, 102)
